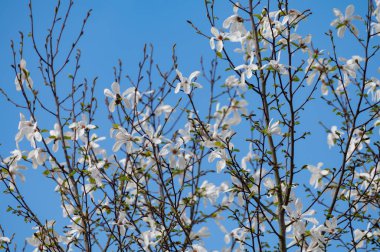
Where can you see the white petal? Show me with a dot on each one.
(193, 75)
(117, 146)
(214, 31)
(179, 74)
(177, 88)
(350, 10)
(337, 12)
(111, 106)
(219, 45)
(22, 64)
(108, 93)
(212, 45)
(115, 87)
(341, 31)
(186, 89)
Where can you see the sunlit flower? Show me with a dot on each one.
(23, 76)
(248, 69)
(186, 83)
(342, 22)
(333, 136)
(4, 239)
(274, 129)
(219, 37)
(81, 127)
(317, 174)
(29, 130)
(38, 157)
(117, 98)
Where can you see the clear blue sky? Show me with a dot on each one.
(119, 29)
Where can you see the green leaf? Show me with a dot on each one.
(295, 78)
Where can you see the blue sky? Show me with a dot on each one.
(119, 29)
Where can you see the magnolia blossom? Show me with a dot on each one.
(163, 109)
(298, 40)
(117, 98)
(38, 157)
(275, 65)
(235, 22)
(202, 233)
(4, 239)
(219, 37)
(274, 129)
(81, 127)
(317, 174)
(29, 130)
(349, 71)
(373, 89)
(318, 66)
(248, 69)
(344, 21)
(221, 155)
(333, 136)
(360, 237)
(23, 76)
(186, 83)
(41, 239)
(297, 214)
(55, 137)
(211, 192)
(13, 168)
(331, 225)
(122, 223)
(376, 25)
(122, 137)
(232, 81)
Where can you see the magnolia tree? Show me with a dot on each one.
(193, 155)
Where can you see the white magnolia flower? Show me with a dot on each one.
(55, 136)
(202, 233)
(360, 237)
(248, 69)
(118, 98)
(317, 174)
(122, 137)
(29, 130)
(376, 25)
(221, 155)
(333, 136)
(209, 191)
(4, 239)
(297, 214)
(342, 22)
(301, 43)
(318, 66)
(23, 76)
(274, 129)
(235, 23)
(123, 223)
(232, 81)
(38, 157)
(219, 37)
(186, 83)
(163, 109)
(81, 127)
(331, 225)
(373, 88)
(41, 239)
(275, 65)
